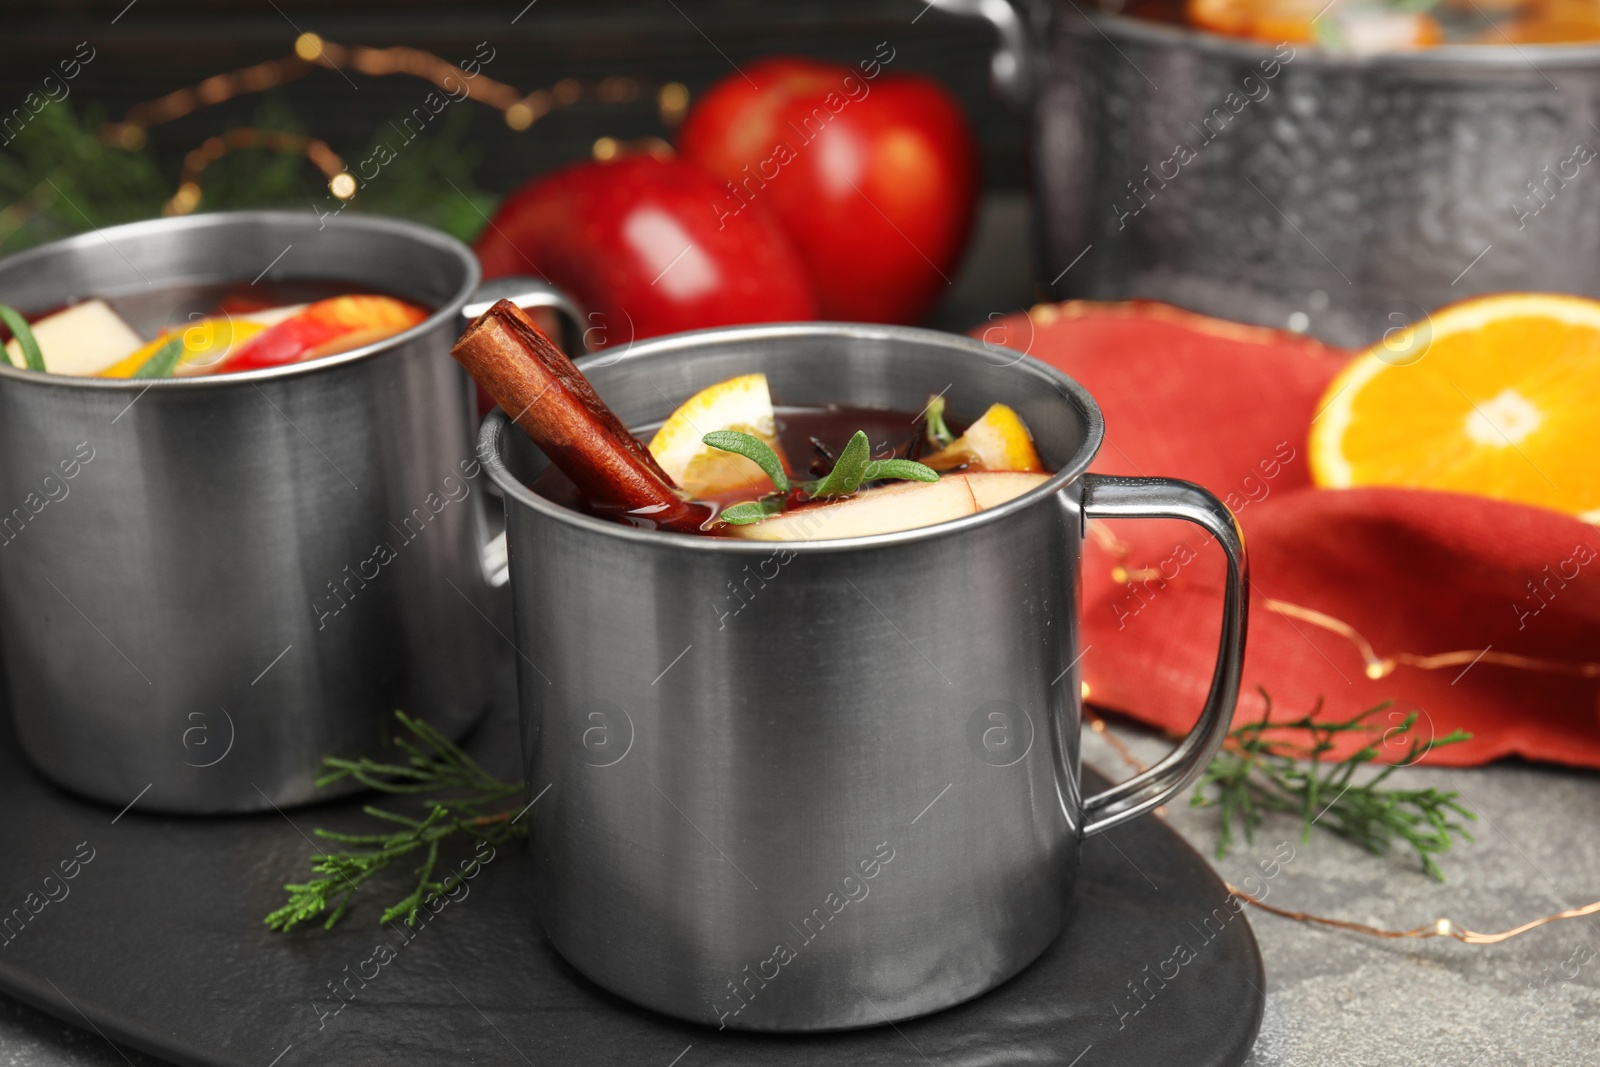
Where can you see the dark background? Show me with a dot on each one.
(157, 46)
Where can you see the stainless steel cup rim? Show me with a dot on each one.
(1461, 58)
(498, 422)
(369, 223)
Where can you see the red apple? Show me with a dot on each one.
(874, 176)
(637, 242)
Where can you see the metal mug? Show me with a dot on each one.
(812, 786)
(194, 607)
(1343, 195)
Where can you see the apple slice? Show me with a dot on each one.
(902, 506)
(990, 488)
(82, 340)
(316, 330)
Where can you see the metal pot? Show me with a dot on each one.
(808, 786)
(1342, 195)
(194, 608)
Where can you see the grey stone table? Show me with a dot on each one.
(1334, 999)
(1337, 999)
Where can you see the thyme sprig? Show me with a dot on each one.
(460, 799)
(1256, 773)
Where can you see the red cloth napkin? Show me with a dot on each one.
(1351, 590)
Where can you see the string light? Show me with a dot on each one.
(308, 46)
(605, 148)
(1437, 928)
(188, 196)
(519, 110)
(530, 109)
(672, 101)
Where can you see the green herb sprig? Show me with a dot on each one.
(854, 468)
(435, 767)
(19, 328)
(939, 433)
(163, 361)
(1256, 773)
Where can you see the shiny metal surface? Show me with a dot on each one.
(1344, 195)
(816, 786)
(240, 574)
(1154, 498)
(533, 293)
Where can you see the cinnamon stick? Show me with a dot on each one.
(554, 404)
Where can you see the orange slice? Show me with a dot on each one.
(1552, 22)
(205, 345)
(999, 441)
(744, 404)
(1261, 20)
(1353, 28)
(1495, 396)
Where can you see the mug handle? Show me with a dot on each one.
(1116, 497)
(526, 293)
(1011, 67)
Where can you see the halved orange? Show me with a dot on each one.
(744, 404)
(1498, 396)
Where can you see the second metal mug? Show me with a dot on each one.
(810, 786)
(207, 584)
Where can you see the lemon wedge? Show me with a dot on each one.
(999, 441)
(743, 404)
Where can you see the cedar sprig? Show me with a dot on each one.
(1259, 770)
(461, 803)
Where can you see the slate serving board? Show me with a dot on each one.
(158, 944)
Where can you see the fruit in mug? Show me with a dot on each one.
(93, 338)
(1551, 22)
(873, 176)
(324, 328)
(1361, 26)
(637, 244)
(743, 404)
(890, 508)
(205, 344)
(1494, 396)
(998, 441)
(598, 465)
(992, 488)
(81, 340)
